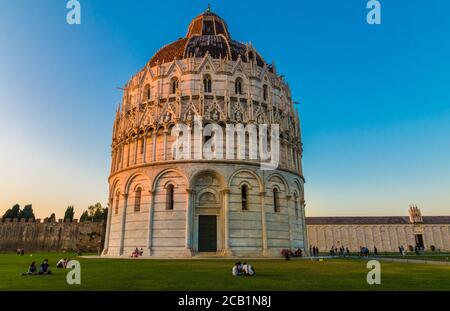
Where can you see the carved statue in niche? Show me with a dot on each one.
(261, 118)
(190, 116)
(215, 115)
(238, 116)
(168, 117)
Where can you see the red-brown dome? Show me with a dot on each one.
(206, 33)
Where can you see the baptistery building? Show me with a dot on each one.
(172, 206)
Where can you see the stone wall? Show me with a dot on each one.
(51, 236)
(201, 189)
(386, 237)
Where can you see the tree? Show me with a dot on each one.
(52, 218)
(7, 214)
(27, 212)
(69, 213)
(94, 213)
(13, 212)
(84, 216)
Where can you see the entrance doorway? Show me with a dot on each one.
(207, 233)
(419, 240)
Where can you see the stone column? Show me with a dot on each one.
(150, 223)
(286, 153)
(116, 159)
(262, 195)
(189, 220)
(128, 152)
(122, 155)
(124, 217)
(154, 146)
(305, 229)
(144, 147)
(136, 143)
(108, 226)
(288, 200)
(165, 144)
(113, 159)
(226, 216)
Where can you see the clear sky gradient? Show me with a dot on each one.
(375, 99)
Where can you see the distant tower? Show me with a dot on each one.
(415, 216)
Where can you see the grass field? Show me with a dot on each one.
(435, 256)
(426, 256)
(119, 274)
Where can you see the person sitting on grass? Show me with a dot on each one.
(287, 255)
(32, 270)
(61, 263)
(135, 254)
(237, 269)
(248, 269)
(45, 268)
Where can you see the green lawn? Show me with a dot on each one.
(435, 256)
(426, 256)
(119, 274)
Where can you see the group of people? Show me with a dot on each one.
(419, 249)
(20, 251)
(342, 251)
(44, 268)
(137, 253)
(287, 253)
(364, 251)
(244, 269)
(313, 251)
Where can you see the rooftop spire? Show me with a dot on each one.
(209, 8)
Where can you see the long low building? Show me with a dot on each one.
(386, 233)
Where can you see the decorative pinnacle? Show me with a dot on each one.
(209, 8)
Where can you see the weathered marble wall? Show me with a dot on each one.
(386, 237)
(54, 236)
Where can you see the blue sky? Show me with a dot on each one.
(375, 99)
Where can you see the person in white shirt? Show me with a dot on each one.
(248, 269)
(237, 269)
(61, 263)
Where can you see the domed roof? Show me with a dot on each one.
(206, 33)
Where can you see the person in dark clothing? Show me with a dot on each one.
(287, 255)
(32, 270)
(44, 269)
(375, 250)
